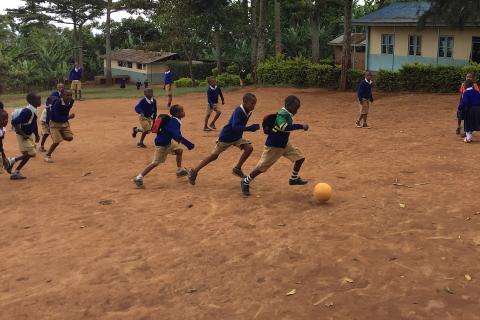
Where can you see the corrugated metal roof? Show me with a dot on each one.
(141, 56)
(406, 13)
(358, 39)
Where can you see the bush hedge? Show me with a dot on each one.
(228, 80)
(183, 82)
(200, 70)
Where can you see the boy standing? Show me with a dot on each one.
(45, 117)
(59, 122)
(212, 94)
(365, 97)
(25, 124)
(243, 76)
(277, 146)
(460, 113)
(165, 146)
(4, 163)
(167, 85)
(147, 112)
(232, 135)
(75, 77)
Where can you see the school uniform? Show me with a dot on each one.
(277, 144)
(163, 141)
(243, 76)
(45, 117)
(365, 96)
(470, 107)
(168, 81)
(232, 132)
(460, 112)
(59, 121)
(212, 95)
(75, 77)
(27, 119)
(147, 111)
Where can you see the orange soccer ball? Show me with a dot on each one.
(322, 192)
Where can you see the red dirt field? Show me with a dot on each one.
(94, 247)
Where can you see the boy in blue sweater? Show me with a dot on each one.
(165, 146)
(232, 135)
(168, 85)
(277, 146)
(365, 97)
(212, 94)
(26, 128)
(45, 118)
(147, 112)
(4, 163)
(75, 77)
(59, 122)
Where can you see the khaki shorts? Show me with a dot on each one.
(168, 89)
(364, 106)
(76, 85)
(45, 128)
(145, 124)
(211, 109)
(222, 146)
(161, 152)
(27, 145)
(60, 131)
(271, 155)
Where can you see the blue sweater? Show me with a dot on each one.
(168, 79)
(235, 127)
(75, 75)
(60, 112)
(471, 98)
(23, 118)
(171, 130)
(149, 110)
(364, 91)
(212, 95)
(279, 137)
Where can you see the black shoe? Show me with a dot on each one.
(238, 172)
(297, 182)
(192, 176)
(8, 166)
(458, 131)
(141, 145)
(357, 124)
(365, 126)
(17, 176)
(134, 132)
(212, 126)
(245, 188)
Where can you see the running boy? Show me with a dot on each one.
(59, 122)
(232, 135)
(277, 146)
(147, 111)
(460, 113)
(212, 94)
(167, 85)
(4, 163)
(365, 97)
(25, 125)
(165, 146)
(45, 117)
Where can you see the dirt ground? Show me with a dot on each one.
(90, 246)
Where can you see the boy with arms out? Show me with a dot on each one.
(59, 122)
(147, 112)
(165, 146)
(365, 97)
(55, 95)
(212, 94)
(26, 128)
(232, 135)
(277, 146)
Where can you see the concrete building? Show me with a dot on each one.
(358, 50)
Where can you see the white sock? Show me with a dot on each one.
(140, 176)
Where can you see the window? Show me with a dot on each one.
(129, 65)
(139, 66)
(120, 63)
(445, 47)
(387, 43)
(415, 45)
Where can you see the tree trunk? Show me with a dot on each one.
(80, 47)
(190, 70)
(108, 46)
(315, 35)
(218, 48)
(347, 44)
(254, 39)
(75, 42)
(278, 31)
(245, 9)
(262, 31)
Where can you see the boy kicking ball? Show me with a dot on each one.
(232, 135)
(277, 145)
(169, 129)
(147, 112)
(365, 97)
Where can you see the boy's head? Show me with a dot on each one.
(148, 93)
(34, 99)
(368, 76)
(67, 96)
(469, 76)
(469, 83)
(177, 111)
(1, 105)
(212, 81)
(60, 87)
(292, 104)
(168, 67)
(249, 102)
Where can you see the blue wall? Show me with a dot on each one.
(391, 62)
(156, 78)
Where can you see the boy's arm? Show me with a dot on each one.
(138, 108)
(210, 101)
(360, 91)
(281, 124)
(24, 116)
(221, 95)
(238, 127)
(177, 136)
(35, 131)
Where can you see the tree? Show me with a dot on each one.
(262, 31)
(254, 37)
(454, 13)
(347, 43)
(278, 30)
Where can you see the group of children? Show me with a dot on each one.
(54, 121)
(468, 109)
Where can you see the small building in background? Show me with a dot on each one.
(139, 65)
(358, 50)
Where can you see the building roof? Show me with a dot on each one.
(358, 40)
(400, 13)
(141, 56)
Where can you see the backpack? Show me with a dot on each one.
(159, 122)
(16, 114)
(3, 118)
(268, 123)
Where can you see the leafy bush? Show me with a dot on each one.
(249, 79)
(215, 71)
(183, 82)
(203, 83)
(233, 69)
(387, 80)
(180, 69)
(330, 61)
(228, 80)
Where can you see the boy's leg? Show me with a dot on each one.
(269, 156)
(295, 179)
(42, 143)
(192, 173)
(16, 175)
(48, 156)
(217, 115)
(140, 143)
(169, 101)
(181, 171)
(247, 151)
(205, 127)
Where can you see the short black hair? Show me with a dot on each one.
(247, 97)
(175, 110)
(147, 90)
(1, 105)
(468, 83)
(32, 97)
(292, 101)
